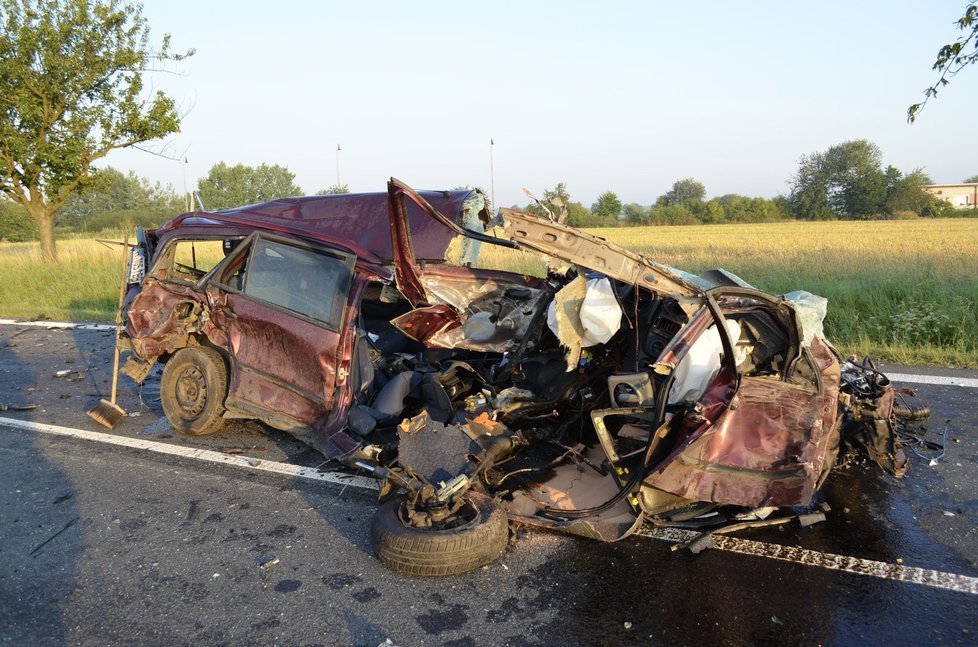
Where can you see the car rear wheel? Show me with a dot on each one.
(193, 389)
(480, 537)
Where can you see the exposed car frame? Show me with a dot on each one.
(615, 390)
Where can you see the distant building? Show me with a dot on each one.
(962, 196)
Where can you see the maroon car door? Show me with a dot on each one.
(281, 303)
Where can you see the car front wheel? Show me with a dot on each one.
(478, 535)
(193, 389)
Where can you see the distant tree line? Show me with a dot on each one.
(114, 199)
(845, 182)
(684, 204)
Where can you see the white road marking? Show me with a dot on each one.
(855, 565)
(56, 325)
(942, 380)
(793, 554)
(210, 456)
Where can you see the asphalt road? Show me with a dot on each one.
(102, 544)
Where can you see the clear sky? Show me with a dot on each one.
(626, 96)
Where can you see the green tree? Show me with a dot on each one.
(683, 191)
(115, 199)
(809, 197)
(710, 212)
(636, 214)
(907, 196)
(971, 180)
(234, 186)
(607, 207)
(739, 208)
(843, 182)
(15, 226)
(672, 214)
(71, 91)
(860, 184)
(952, 57)
(341, 188)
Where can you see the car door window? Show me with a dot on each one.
(189, 259)
(308, 282)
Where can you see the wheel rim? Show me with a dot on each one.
(467, 516)
(191, 391)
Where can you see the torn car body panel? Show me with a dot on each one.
(766, 445)
(586, 250)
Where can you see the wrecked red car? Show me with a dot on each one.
(611, 391)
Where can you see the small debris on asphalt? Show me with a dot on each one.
(242, 450)
(15, 407)
(265, 564)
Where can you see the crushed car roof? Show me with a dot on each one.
(360, 221)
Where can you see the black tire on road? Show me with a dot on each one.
(193, 389)
(418, 551)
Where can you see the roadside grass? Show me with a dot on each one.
(901, 291)
(82, 286)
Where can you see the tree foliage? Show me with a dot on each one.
(857, 185)
(952, 57)
(847, 182)
(71, 91)
(906, 196)
(116, 199)
(235, 186)
(971, 180)
(15, 225)
(607, 207)
(635, 214)
(683, 191)
(740, 208)
(729, 208)
(809, 196)
(843, 182)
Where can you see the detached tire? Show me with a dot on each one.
(193, 389)
(430, 552)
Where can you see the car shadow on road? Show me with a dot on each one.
(41, 525)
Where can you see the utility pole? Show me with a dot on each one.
(187, 201)
(338, 166)
(492, 173)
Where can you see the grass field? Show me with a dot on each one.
(902, 291)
